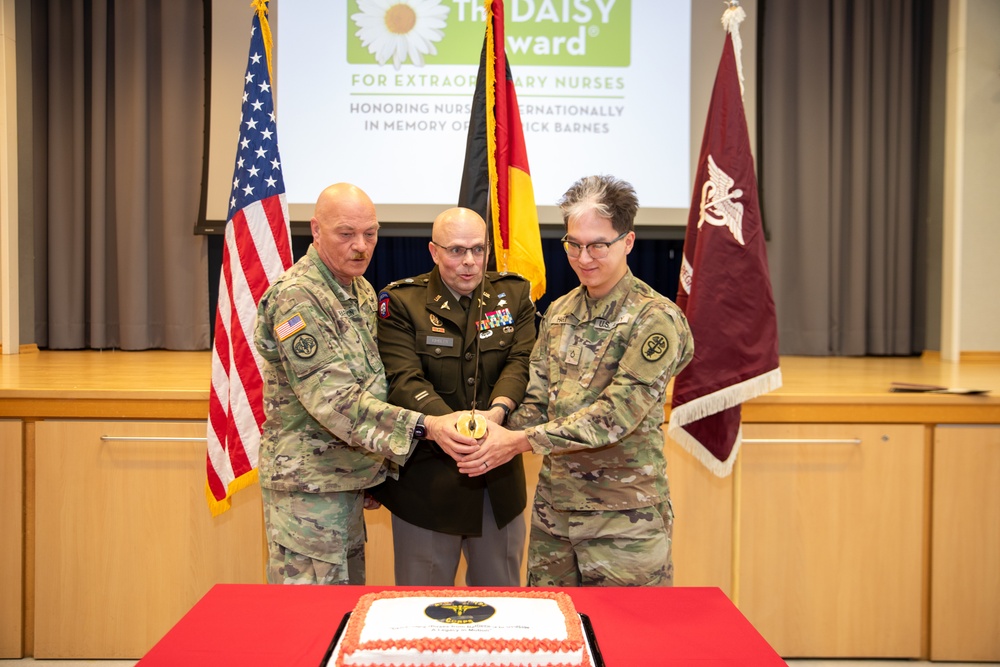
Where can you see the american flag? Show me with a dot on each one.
(257, 250)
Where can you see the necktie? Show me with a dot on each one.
(464, 302)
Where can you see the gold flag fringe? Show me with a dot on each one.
(260, 6)
(217, 507)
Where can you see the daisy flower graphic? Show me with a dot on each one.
(400, 28)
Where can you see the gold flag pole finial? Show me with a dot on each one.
(260, 6)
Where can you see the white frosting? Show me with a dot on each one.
(514, 619)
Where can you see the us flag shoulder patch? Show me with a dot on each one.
(292, 325)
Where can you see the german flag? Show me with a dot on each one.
(496, 178)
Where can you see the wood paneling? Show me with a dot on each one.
(703, 522)
(11, 542)
(831, 553)
(125, 543)
(965, 552)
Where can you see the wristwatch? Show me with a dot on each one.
(420, 431)
(506, 411)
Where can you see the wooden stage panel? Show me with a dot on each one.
(175, 385)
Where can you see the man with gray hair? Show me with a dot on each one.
(594, 407)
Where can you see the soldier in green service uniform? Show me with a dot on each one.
(440, 356)
(594, 407)
(328, 433)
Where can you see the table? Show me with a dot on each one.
(261, 625)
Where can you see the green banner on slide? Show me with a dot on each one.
(591, 33)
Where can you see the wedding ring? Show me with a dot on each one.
(485, 464)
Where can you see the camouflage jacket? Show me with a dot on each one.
(596, 393)
(327, 426)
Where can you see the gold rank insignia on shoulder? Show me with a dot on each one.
(289, 327)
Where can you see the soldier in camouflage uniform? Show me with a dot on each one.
(328, 433)
(594, 407)
(439, 357)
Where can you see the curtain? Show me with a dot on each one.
(841, 105)
(654, 260)
(118, 93)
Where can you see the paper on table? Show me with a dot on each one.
(908, 387)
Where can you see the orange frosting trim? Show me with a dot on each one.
(351, 641)
(585, 663)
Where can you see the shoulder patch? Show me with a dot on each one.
(654, 347)
(383, 305)
(305, 346)
(289, 327)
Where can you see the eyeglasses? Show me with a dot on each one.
(597, 250)
(459, 252)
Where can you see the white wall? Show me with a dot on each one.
(980, 256)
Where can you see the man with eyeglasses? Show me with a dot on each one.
(455, 335)
(594, 407)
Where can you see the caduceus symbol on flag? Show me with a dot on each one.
(717, 205)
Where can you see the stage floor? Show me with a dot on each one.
(168, 384)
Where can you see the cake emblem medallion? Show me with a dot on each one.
(459, 612)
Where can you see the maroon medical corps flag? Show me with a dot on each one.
(725, 287)
(496, 182)
(257, 250)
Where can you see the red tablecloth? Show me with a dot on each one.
(286, 626)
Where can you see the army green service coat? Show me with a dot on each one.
(428, 346)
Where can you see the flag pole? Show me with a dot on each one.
(731, 19)
(257, 248)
